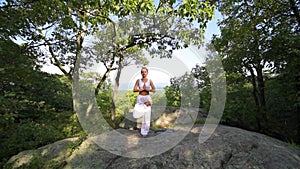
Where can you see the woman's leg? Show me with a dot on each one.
(146, 119)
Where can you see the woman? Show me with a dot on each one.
(142, 108)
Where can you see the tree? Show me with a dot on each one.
(35, 107)
(60, 27)
(121, 42)
(249, 41)
(196, 81)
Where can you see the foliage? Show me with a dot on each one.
(159, 98)
(282, 108)
(104, 100)
(259, 46)
(240, 108)
(189, 86)
(35, 107)
(126, 100)
(62, 26)
(173, 95)
(252, 33)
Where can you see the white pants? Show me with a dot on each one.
(142, 111)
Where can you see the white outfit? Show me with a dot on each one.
(141, 110)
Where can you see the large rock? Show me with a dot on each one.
(228, 147)
(46, 155)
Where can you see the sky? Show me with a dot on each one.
(212, 27)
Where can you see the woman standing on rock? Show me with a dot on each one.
(142, 108)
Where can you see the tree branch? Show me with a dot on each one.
(58, 63)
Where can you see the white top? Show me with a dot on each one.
(147, 84)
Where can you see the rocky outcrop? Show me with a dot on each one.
(228, 147)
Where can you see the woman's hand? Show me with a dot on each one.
(144, 89)
(147, 103)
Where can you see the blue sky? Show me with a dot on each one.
(212, 27)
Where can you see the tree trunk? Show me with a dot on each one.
(297, 103)
(261, 87)
(255, 97)
(116, 88)
(261, 93)
(298, 116)
(104, 77)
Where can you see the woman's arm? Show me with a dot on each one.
(136, 86)
(152, 86)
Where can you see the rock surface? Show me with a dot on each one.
(228, 147)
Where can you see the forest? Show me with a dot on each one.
(258, 47)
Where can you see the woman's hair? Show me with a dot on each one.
(144, 68)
